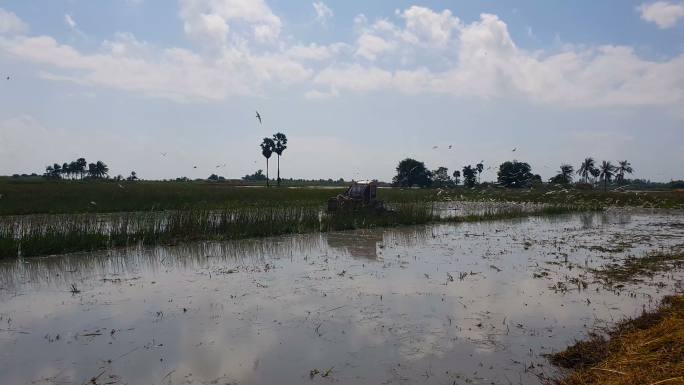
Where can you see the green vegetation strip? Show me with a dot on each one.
(69, 197)
(46, 235)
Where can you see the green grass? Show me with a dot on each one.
(38, 196)
(38, 235)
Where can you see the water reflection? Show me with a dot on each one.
(365, 307)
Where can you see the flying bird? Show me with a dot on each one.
(163, 153)
(8, 78)
(449, 147)
(434, 147)
(514, 148)
(258, 117)
(194, 166)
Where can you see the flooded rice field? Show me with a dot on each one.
(476, 303)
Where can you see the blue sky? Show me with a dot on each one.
(356, 86)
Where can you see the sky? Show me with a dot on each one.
(355, 85)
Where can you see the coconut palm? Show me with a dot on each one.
(280, 144)
(624, 167)
(479, 167)
(586, 169)
(267, 146)
(564, 176)
(607, 171)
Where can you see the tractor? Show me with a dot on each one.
(360, 195)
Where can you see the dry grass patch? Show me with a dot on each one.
(646, 350)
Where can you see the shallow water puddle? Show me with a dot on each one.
(475, 303)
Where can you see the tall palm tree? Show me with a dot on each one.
(479, 167)
(101, 169)
(624, 167)
(267, 146)
(607, 172)
(81, 165)
(586, 168)
(280, 144)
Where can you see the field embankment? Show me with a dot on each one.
(645, 350)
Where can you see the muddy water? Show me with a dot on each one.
(362, 307)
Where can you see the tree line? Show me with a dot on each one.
(77, 169)
(513, 174)
(80, 169)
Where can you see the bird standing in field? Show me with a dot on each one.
(258, 116)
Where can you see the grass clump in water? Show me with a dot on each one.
(633, 268)
(645, 350)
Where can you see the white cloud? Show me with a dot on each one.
(419, 51)
(323, 13)
(213, 19)
(370, 46)
(315, 52)
(172, 73)
(489, 64)
(429, 26)
(663, 13)
(11, 24)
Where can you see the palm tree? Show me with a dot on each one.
(479, 167)
(607, 171)
(267, 146)
(457, 177)
(101, 169)
(622, 168)
(81, 165)
(280, 144)
(587, 168)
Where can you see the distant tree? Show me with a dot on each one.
(564, 176)
(441, 178)
(216, 178)
(81, 165)
(469, 176)
(623, 167)
(49, 172)
(257, 176)
(280, 144)
(586, 169)
(66, 170)
(91, 171)
(102, 169)
(457, 177)
(411, 172)
(133, 176)
(479, 167)
(57, 170)
(515, 174)
(267, 147)
(607, 171)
